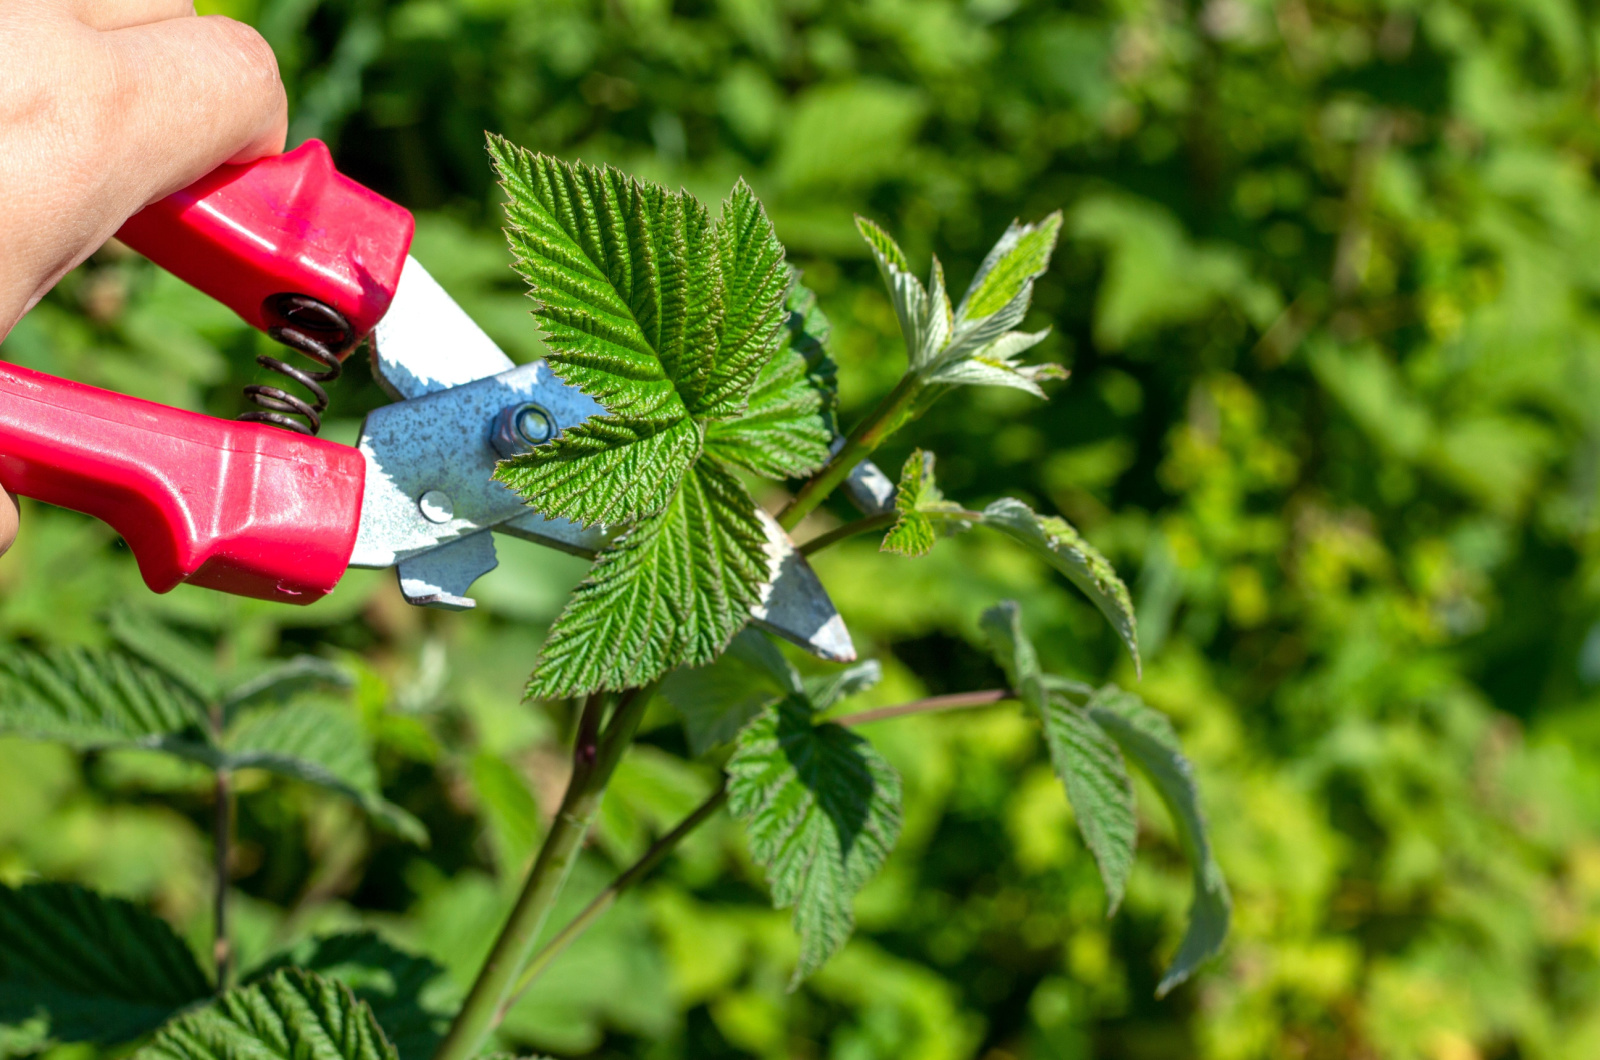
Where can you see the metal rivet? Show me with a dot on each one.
(436, 506)
(519, 428)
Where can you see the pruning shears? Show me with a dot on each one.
(260, 507)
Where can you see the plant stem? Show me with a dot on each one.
(222, 826)
(861, 526)
(608, 897)
(866, 437)
(594, 759)
(541, 961)
(930, 705)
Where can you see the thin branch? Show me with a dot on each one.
(608, 897)
(881, 521)
(930, 705)
(881, 422)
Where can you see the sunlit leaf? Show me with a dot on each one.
(672, 590)
(1055, 541)
(402, 989)
(924, 514)
(788, 424)
(291, 1015)
(647, 307)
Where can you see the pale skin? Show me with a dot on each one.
(106, 106)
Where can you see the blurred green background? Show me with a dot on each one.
(1331, 300)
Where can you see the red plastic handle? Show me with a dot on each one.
(241, 507)
(292, 224)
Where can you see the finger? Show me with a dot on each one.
(8, 519)
(195, 93)
(121, 14)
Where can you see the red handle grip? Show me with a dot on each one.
(240, 507)
(290, 225)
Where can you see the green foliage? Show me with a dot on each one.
(1146, 736)
(673, 323)
(112, 698)
(821, 810)
(291, 1015)
(319, 745)
(924, 514)
(79, 967)
(401, 989)
(974, 344)
(787, 426)
(1084, 756)
(94, 699)
(1325, 284)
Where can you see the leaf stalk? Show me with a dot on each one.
(889, 415)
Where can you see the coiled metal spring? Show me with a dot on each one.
(315, 330)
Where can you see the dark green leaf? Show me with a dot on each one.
(90, 698)
(1146, 736)
(402, 989)
(1055, 541)
(322, 746)
(716, 700)
(76, 966)
(821, 810)
(1084, 757)
(291, 1015)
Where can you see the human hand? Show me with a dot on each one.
(106, 106)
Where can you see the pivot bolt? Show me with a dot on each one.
(436, 506)
(519, 428)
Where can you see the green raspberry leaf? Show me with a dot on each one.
(787, 427)
(1055, 541)
(1083, 755)
(1145, 735)
(647, 307)
(671, 590)
(974, 344)
(924, 514)
(716, 700)
(320, 745)
(95, 698)
(821, 810)
(400, 988)
(293, 1015)
(76, 966)
(754, 280)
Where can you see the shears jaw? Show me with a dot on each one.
(431, 500)
(795, 606)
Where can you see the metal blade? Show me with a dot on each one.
(427, 343)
